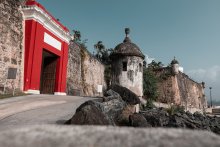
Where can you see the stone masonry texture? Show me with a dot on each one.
(74, 84)
(181, 90)
(85, 72)
(11, 43)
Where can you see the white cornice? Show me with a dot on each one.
(39, 15)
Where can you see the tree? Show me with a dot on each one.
(150, 86)
(100, 48)
(102, 53)
(77, 35)
(155, 65)
(77, 39)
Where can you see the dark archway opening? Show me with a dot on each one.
(48, 73)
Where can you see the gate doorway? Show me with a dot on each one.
(48, 73)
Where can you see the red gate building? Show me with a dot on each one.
(46, 51)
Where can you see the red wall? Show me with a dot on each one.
(34, 45)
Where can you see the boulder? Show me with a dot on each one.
(156, 117)
(113, 109)
(138, 120)
(197, 121)
(214, 124)
(127, 95)
(96, 113)
(123, 119)
(182, 121)
(110, 95)
(90, 113)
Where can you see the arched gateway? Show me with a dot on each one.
(46, 51)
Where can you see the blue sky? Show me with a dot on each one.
(187, 29)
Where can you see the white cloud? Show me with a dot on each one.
(211, 76)
(181, 69)
(148, 59)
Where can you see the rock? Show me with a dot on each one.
(160, 118)
(110, 95)
(138, 120)
(157, 117)
(198, 115)
(178, 121)
(96, 113)
(99, 136)
(214, 123)
(113, 109)
(90, 113)
(124, 117)
(128, 96)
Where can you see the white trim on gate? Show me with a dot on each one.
(39, 15)
(59, 93)
(52, 41)
(30, 91)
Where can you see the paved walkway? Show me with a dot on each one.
(37, 109)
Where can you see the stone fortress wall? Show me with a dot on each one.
(85, 72)
(74, 76)
(181, 90)
(11, 43)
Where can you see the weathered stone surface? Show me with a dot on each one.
(96, 113)
(127, 95)
(110, 95)
(132, 78)
(85, 72)
(74, 77)
(11, 43)
(113, 108)
(99, 136)
(160, 118)
(157, 117)
(138, 120)
(90, 113)
(92, 74)
(123, 116)
(195, 121)
(181, 90)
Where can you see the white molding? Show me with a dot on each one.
(52, 41)
(59, 93)
(39, 15)
(30, 91)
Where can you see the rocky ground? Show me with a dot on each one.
(160, 118)
(118, 109)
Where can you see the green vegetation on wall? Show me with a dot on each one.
(103, 55)
(150, 86)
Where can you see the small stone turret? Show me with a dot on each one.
(127, 65)
(175, 66)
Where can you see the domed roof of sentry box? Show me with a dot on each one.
(127, 48)
(174, 61)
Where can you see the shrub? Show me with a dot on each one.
(175, 109)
